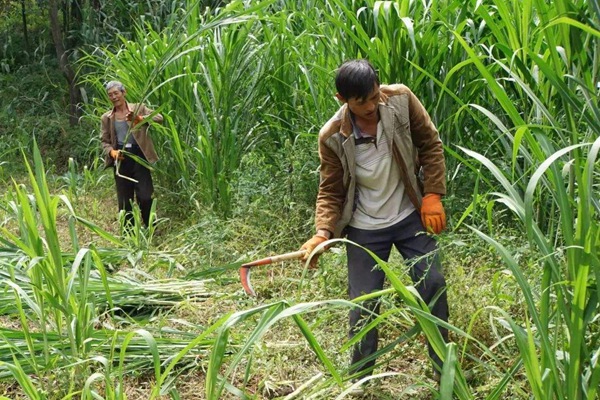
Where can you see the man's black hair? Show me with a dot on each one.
(356, 78)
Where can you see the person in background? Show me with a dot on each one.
(125, 138)
(382, 177)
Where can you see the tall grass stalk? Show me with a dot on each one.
(518, 79)
(56, 307)
(69, 308)
(212, 98)
(566, 333)
(558, 216)
(268, 316)
(454, 382)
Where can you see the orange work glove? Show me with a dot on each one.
(432, 213)
(116, 154)
(310, 246)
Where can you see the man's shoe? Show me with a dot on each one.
(356, 391)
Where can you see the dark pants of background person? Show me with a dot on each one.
(364, 277)
(126, 189)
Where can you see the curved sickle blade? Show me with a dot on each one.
(245, 279)
(245, 269)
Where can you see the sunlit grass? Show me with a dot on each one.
(70, 312)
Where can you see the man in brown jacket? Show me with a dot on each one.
(125, 138)
(382, 179)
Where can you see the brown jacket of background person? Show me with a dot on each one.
(139, 132)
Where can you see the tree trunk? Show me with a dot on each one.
(25, 34)
(63, 62)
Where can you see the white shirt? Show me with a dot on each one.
(382, 201)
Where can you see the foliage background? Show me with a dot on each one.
(245, 86)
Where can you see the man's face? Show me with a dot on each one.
(116, 96)
(365, 108)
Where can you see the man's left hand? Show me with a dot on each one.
(310, 246)
(433, 215)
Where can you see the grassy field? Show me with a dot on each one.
(88, 313)
(281, 361)
(198, 257)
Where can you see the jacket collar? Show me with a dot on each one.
(114, 109)
(346, 126)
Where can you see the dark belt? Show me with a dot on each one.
(128, 147)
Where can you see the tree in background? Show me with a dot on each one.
(24, 19)
(74, 25)
(62, 54)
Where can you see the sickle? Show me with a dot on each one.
(245, 268)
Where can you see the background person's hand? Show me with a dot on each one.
(116, 154)
(310, 246)
(433, 215)
(136, 120)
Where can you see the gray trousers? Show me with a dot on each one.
(364, 277)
